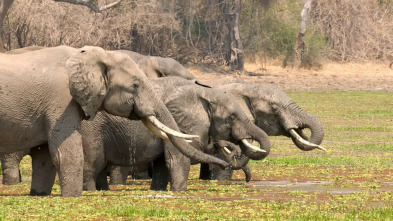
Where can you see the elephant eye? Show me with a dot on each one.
(135, 85)
(232, 117)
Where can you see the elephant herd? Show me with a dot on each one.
(85, 112)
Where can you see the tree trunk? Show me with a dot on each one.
(5, 6)
(300, 45)
(235, 56)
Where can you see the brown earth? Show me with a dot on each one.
(331, 77)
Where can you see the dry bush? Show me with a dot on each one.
(357, 30)
(196, 30)
(48, 23)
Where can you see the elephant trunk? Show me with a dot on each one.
(181, 144)
(240, 162)
(300, 138)
(259, 136)
(232, 154)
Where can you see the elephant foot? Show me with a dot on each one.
(158, 186)
(37, 193)
(11, 178)
(179, 189)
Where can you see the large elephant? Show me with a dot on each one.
(45, 94)
(274, 112)
(151, 66)
(206, 112)
(155, 66)
(25, 49)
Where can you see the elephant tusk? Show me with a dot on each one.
(157, 132)
(164, 129)
(154, 129)
(247, 144)
(305, 142)
(227, 150)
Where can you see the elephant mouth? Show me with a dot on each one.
(298, 137)
(162, 131)
(233, 154)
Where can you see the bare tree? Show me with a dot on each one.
(91, 5)
(300, 44)
(5, 6)
(235, 56)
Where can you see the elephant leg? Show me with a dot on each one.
(118, 174)
(102, 180)
(179, 167)
(143, 175)
(43, 171)
(65, 146)
(94, 172)
(94, 156)
(10, 165)
(205, 173)
(160, 175)
(89, 181)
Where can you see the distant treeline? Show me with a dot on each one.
(196, 30)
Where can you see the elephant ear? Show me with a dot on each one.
(88, 78)
(190, 111)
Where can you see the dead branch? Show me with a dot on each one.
(91, 5)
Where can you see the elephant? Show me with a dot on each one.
(151, 66)
(45, 95)
(155, 66)
(272, 110)
(208, 113)
(24, 50)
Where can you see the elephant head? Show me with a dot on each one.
(108, 80)
(277, 114)
(155, 67)
(212, 114)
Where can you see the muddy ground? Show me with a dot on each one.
(331, 77)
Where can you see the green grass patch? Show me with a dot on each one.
(358, 136)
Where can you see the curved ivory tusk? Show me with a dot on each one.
(303, 141)
(160, 126)
(156, 131)
(247, 144)
(227, 150)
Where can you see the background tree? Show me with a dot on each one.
(197, 30)
(300, 44)
(235, 56)
(21, 30)
(5, 6)
(92, 5)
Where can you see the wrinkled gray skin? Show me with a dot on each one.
(206, 112)
(151, 66)
(274, 112)
(45, 94)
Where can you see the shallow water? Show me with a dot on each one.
(308, 186)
